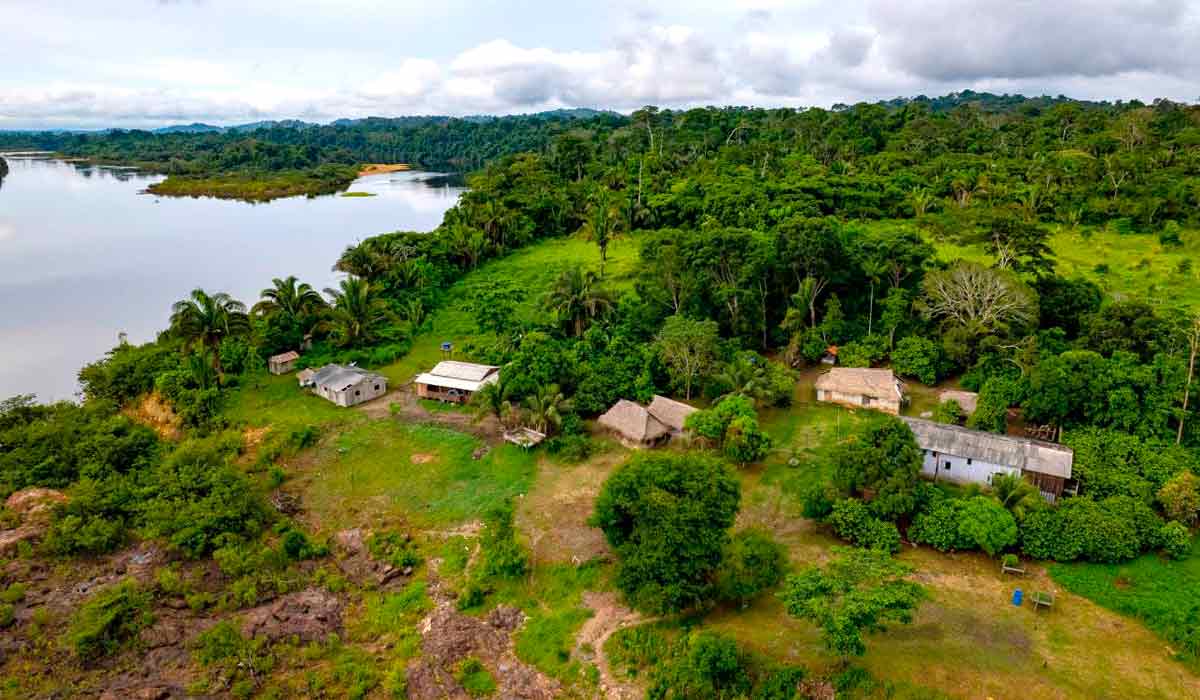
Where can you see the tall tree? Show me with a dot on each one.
(577, 299)
(982, 300)
(688, 347)
(205, 320)
(295, 301)
(603, 221)
(358, 312)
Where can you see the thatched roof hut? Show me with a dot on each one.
(633, 425)
(670, 412)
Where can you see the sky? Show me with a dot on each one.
(149, 63)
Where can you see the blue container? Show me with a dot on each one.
(1018, 595)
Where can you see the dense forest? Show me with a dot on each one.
(763, 237)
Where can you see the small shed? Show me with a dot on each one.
(831, 355)
(454, 381)
(861, 387)
(347, 385)
(634, 426)
(283, 362)
(305, 377)
(966, 400)
(670, 412)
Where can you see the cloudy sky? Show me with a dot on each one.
(145, 63)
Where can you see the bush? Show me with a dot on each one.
(881, 458)
(949, 412)
(395, 548)
(713, 423)
(918, 357)
(752, 563)
(297, 546)
(991, 409)
(863, 353)
(1043, 537)
(964, 524)
(668, 516)
(501, 556)
(1176, 540)
(571, 448)
(853, 521)
(745, 442)
(1180, 497)
(474, 678)
(709, 666)
(108, 619)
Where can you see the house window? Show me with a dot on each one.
(947, 466)
(357, 392)
(376, 387)
(866, 400)
(968, 461)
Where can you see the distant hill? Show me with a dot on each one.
(194, 128)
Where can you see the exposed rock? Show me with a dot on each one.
(506, 617)
(285, 503)
(35, 504)
(9, 539)
(310, 615)
(356, 562)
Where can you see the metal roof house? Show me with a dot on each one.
(283, 362)
(455, 382)
(860, 387)
(344, 385)
(972, 456)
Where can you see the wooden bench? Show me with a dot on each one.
(1042, 599)
(1011, 568)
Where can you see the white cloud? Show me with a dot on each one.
(197, 61)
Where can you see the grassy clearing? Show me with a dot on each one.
(1133, 266)
(1161, 593)
(280, 403)
(379, 472)
(532, 269)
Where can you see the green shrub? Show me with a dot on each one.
(501, 556)
(853, 521)
(918, 357)
(979, 522)
(474, 678)
(395, 548)
(110, 618)
(7, 614)
(745, 442)
(753, 562)
(1176, 540)
(236, 660)
(707, 666)
(15, 593)
(297, 546)
(571, 448)
(950, 412)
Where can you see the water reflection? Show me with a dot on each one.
(84, 256)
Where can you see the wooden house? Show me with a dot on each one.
(860, 387)
(958, 454)
(455, 382)
(283, 362)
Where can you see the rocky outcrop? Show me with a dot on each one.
(310, 615)
(34, 508)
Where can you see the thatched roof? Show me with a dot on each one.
(1031, 455)
(286, 356)
(876, 383)
(669, 412)
(966, 399)
(633, 422)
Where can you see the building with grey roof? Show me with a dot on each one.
(344, 385)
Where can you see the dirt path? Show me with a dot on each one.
(408, 409)
(609, 617)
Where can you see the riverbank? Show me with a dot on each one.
(380, 168)
(259, 187)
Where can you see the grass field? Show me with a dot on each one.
(533, 270)
(1162, 593)
(1131, 266)
(384, 472)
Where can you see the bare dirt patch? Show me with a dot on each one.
(422, 458)
(609, 616)
(154, 412)
(554, 514)
(381, 168)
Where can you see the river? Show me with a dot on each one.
(84, 256)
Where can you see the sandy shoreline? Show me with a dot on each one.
(379, 168)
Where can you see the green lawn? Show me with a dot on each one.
(533, 269)
(1162, 593)
(281, 403)
(381, 472)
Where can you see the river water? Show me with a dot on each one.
(84, 256)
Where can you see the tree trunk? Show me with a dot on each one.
(1195, 344)
(871, 308)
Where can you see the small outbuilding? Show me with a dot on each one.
(962, 455)
(634, 426)
(966, 400)
(455, 382)
(861, 387)
(345, 385)
(830, 355)
(283, 362)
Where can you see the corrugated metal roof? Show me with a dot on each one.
(453, 383)
(462, 370)
(1032, 455)
(286, 356)
(339, 378)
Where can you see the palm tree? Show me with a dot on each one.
(205, 320)
(357, 312)
(546, 408)
(920, 199)
(1016, 494)
(745, 377)
(492, 400)
(577, 300)
(295, 301)
(603, 222)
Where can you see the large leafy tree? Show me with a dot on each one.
(668, 518)
(603, 221)
(859, 592)
(881, 460)
(203, 320)
(577, 299)
(688, 348)
(358, 313)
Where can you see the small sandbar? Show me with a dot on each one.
(380, 168)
